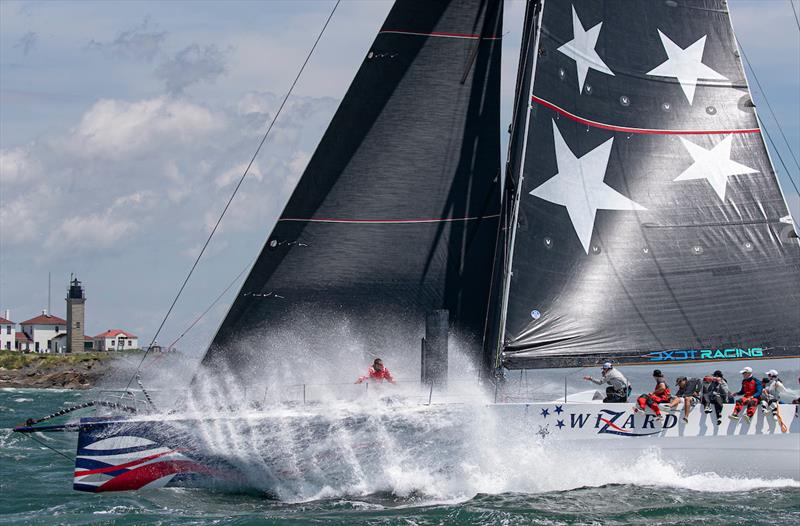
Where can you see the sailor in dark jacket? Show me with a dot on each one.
(750, 392)
(715, 392)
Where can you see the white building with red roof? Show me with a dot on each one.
(116, 340)
(7, 333)
(43, 328)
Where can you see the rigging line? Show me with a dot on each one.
(187, 329)
(236, 189)
(766, 100)
(796, 19)
(30, 435)
(791, 179)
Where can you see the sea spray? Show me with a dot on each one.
(383, 442)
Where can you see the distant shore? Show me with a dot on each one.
(54, 371)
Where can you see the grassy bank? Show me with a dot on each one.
(12, 360)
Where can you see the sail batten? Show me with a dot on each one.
(649, 226)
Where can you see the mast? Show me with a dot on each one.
(396, 213)
(647, 225)
(516, 158)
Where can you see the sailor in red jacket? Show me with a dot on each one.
(750, 391)
(377, 373)
(660, 395)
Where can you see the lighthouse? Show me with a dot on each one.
(75, 315)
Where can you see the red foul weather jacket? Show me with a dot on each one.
(377, 376)
(751, 388)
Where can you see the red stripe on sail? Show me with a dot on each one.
(625, 129)
(439, 34)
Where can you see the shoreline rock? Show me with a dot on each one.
(57, 374)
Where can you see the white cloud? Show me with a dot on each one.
(114, 128)
(232, 175)
(92, 232)
(16, 166)
(161, 168)
(21, 219)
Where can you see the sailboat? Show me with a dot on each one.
(638, 220)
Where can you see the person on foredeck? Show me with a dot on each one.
(659, 395)
(750, 393)
(689, 390)
(377, 373)
(618, 388)
(715, 392)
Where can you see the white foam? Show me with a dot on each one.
(335, 448)
(445, 454)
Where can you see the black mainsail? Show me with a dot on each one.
(396, 213)
(650, 224)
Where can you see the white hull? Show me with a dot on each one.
(309, 447)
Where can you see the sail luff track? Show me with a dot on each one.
(518, 167)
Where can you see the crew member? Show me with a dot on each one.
(688, 393)
(716, 393)
(771, 393)
(377, 373)
(750, 393)
(618, 388)
(659, 395)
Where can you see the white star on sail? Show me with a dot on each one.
(686, 65)
(714, 164)
(579, 186)
(581, 49)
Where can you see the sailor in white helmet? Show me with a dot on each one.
(618, 388)
(772, 391)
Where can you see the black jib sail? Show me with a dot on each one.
(397, 212)
(650, 226)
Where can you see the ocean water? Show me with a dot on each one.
(517, 487)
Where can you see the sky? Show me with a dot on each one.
(124, 127)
